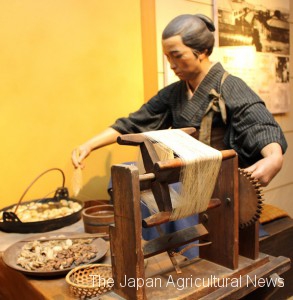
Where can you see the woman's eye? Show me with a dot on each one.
(171, 57)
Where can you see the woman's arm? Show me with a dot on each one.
(267, 168)
(153, 115)
(106, 137)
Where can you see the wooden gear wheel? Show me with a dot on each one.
(250, 199)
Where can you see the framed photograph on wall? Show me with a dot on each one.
(262, 28)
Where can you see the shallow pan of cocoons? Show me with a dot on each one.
(98, 218)
(41, 215)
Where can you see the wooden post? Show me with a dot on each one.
(222, 222)
(249, 241)
(127, 261)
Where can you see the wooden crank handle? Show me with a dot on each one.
(226, 154)
(156, 219)
(178, 163)
(189, 130)
(164, 216)
(134, 139)
(131, 139)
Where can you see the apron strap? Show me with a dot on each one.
(217, 104)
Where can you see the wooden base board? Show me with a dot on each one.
(201, 279)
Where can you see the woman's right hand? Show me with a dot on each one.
(106, 137)
(79, 154)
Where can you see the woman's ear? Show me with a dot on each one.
(202, 55)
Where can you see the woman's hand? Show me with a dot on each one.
(79, 154)
(106, 137)
(267, 168)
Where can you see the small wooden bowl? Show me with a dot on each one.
(98, 218)
(88, 203)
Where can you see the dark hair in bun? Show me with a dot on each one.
(196, 32)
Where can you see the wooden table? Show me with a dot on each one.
(14, 284)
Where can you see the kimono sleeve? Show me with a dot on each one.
(153, 115)
(251, 126)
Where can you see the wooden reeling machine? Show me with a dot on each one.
(229, 258)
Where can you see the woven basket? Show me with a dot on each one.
(90, 280)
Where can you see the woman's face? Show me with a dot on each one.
(182, 60)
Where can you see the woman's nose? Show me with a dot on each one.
(172, 65)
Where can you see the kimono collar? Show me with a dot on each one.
(199, 101)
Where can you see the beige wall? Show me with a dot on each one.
(280, 190)
(68, 69)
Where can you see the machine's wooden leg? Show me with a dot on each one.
(249, 241)
(222, 222)
(126, 249)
